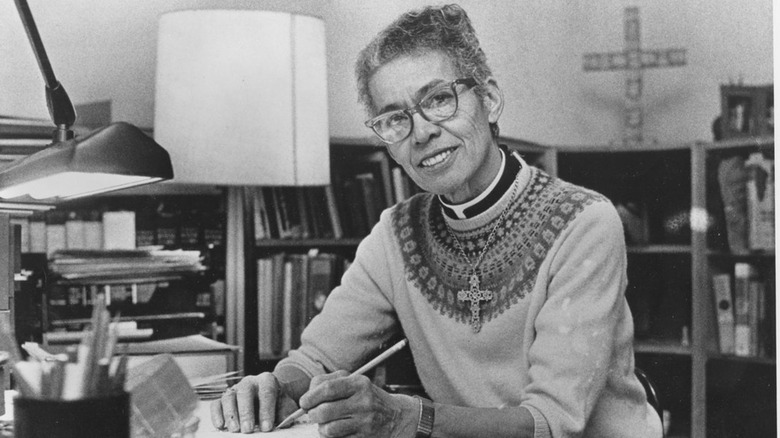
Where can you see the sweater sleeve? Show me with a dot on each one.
(577, 324)
(357, 318)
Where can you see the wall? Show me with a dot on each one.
(106, 50)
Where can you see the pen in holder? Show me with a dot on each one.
(62, 399)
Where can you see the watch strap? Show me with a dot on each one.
(425, 423)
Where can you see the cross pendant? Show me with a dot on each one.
(475, 295)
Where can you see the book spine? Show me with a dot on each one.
(721, 286)
(265, 306)
(333, 212)
(56, 238)
(38, 235)
(368, 188)
(400, 185)
(24, 233)
(287, 307)
(119, 230)
(743, 272)
(260, 221)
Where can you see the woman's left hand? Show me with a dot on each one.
(345, 405)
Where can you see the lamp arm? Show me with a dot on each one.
(61, 110)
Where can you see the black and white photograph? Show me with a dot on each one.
(387, 219)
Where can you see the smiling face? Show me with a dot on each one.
(457, 158)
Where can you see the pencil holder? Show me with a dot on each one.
(106, 417)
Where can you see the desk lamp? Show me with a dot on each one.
(111, 158)
(115, 157)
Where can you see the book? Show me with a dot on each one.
(24, 233)
(760, 202)
(119, 230)
(721, 288)
(732, 180)
(400, 184)
(757, 318)
(271, 216)
(322, 279)
(744, 273)
(352, 209)
(264, 306)
(371, 200)
(37, 234)
(333, 212)
(93, 231)
(260, 215)
(319, 212)
(304, 213)
(74, 231)
(277, 303)
(56, 238)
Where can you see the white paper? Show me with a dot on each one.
(207, 430)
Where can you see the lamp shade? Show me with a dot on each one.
(112, 158)
(241, 97)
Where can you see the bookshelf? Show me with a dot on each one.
(664, 194)
(651, 188)
(156, 299)
(676, 241)
(736, 390)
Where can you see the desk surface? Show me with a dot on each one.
(205, 428)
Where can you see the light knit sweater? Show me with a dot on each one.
(556, 338)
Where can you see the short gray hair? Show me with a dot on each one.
(445, 29)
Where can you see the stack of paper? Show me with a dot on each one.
(106, 265)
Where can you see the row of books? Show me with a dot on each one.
(349, 207)
(741, 305)
(291, 290)
(47, 232)
(747, 189)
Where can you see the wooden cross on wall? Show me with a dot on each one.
(633, 59)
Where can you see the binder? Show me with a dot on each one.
(724, 307)
(743, 274)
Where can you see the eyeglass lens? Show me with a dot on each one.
(437, 106)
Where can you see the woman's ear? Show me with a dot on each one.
(493, 100)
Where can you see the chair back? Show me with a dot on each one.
(652, 395)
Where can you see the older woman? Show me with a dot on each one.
(508, 283)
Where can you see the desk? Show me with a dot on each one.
(205, 428)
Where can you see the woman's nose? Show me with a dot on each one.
(423, 130)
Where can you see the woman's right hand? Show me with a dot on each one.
(235, 410)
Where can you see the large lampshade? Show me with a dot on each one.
(241, 97)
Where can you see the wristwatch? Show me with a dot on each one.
(425, 423)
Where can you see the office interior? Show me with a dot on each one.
(564, 111)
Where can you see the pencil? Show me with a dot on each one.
(362, 370)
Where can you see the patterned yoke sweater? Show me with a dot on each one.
(555, 339)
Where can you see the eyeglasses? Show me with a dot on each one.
(438, 105)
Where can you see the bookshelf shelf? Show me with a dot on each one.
(747, 360)
(757, 254)
(659, 249)
(660, 347)
(307, 243)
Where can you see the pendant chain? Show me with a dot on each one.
(490, 236)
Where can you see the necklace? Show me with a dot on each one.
(474, 294)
